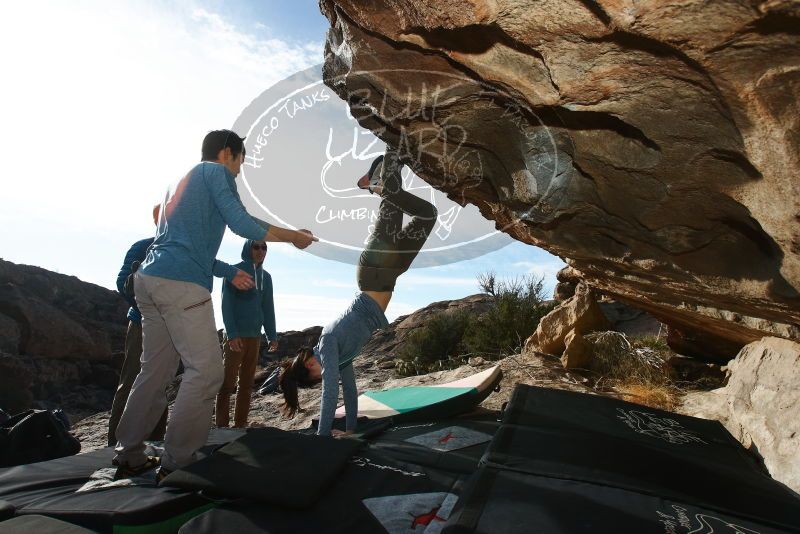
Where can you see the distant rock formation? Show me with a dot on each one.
(51, 315)
(61, 341)
(652, 145)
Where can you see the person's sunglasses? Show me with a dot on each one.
(259, 247)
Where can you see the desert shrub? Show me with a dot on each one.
(619, 360)
(518, 306)
(637, 368)
(431, 346)
(448, 338)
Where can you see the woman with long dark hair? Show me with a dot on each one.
(389, 253)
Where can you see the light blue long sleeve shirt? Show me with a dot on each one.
(193, 218)
(339, 343)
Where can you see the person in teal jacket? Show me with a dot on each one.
(244, 312)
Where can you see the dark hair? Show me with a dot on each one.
(294, 374)
(374, 165)
(219, 140)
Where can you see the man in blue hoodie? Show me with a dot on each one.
(244, 313)
(173, 293)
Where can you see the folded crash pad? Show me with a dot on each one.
(269, 465)
(418, 403)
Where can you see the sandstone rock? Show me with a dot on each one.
(580, 313)
(563, 290)
(388, 364)
(577, 352)
(760, 405)
(652, 144)
(568, 279)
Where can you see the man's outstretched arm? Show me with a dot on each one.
(299, 238)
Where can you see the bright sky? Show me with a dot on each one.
(105, 103)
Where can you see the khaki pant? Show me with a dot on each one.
(241, 365)
(177, 325)
(130, 369)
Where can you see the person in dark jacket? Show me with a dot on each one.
(133, 343)
(244, 312)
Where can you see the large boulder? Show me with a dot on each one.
(579, 314)
(16, 384)
(653, 144)
(567, 280)
(58, 338)
(760, 405)
(9, 334)
(577, 352)
(58, 316)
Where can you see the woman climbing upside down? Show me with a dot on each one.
(388, 254)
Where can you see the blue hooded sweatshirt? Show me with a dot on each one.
(245, 312)
(137, 252)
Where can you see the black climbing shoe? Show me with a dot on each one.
(128, 471)
(161, 474)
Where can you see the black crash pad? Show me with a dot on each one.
(269, 465)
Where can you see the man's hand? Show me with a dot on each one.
(339, 434)
(303, 238)
(235, 344)
(242, 280)
(273, 346)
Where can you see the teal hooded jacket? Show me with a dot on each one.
(245, 312)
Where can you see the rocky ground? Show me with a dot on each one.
(540, 370)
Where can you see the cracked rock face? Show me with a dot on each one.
(652, 144)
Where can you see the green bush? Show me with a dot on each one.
(449, 337)
(427, 348)
(518, 307)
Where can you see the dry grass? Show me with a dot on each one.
(636, 369)
(655, 396)
(616, 358)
